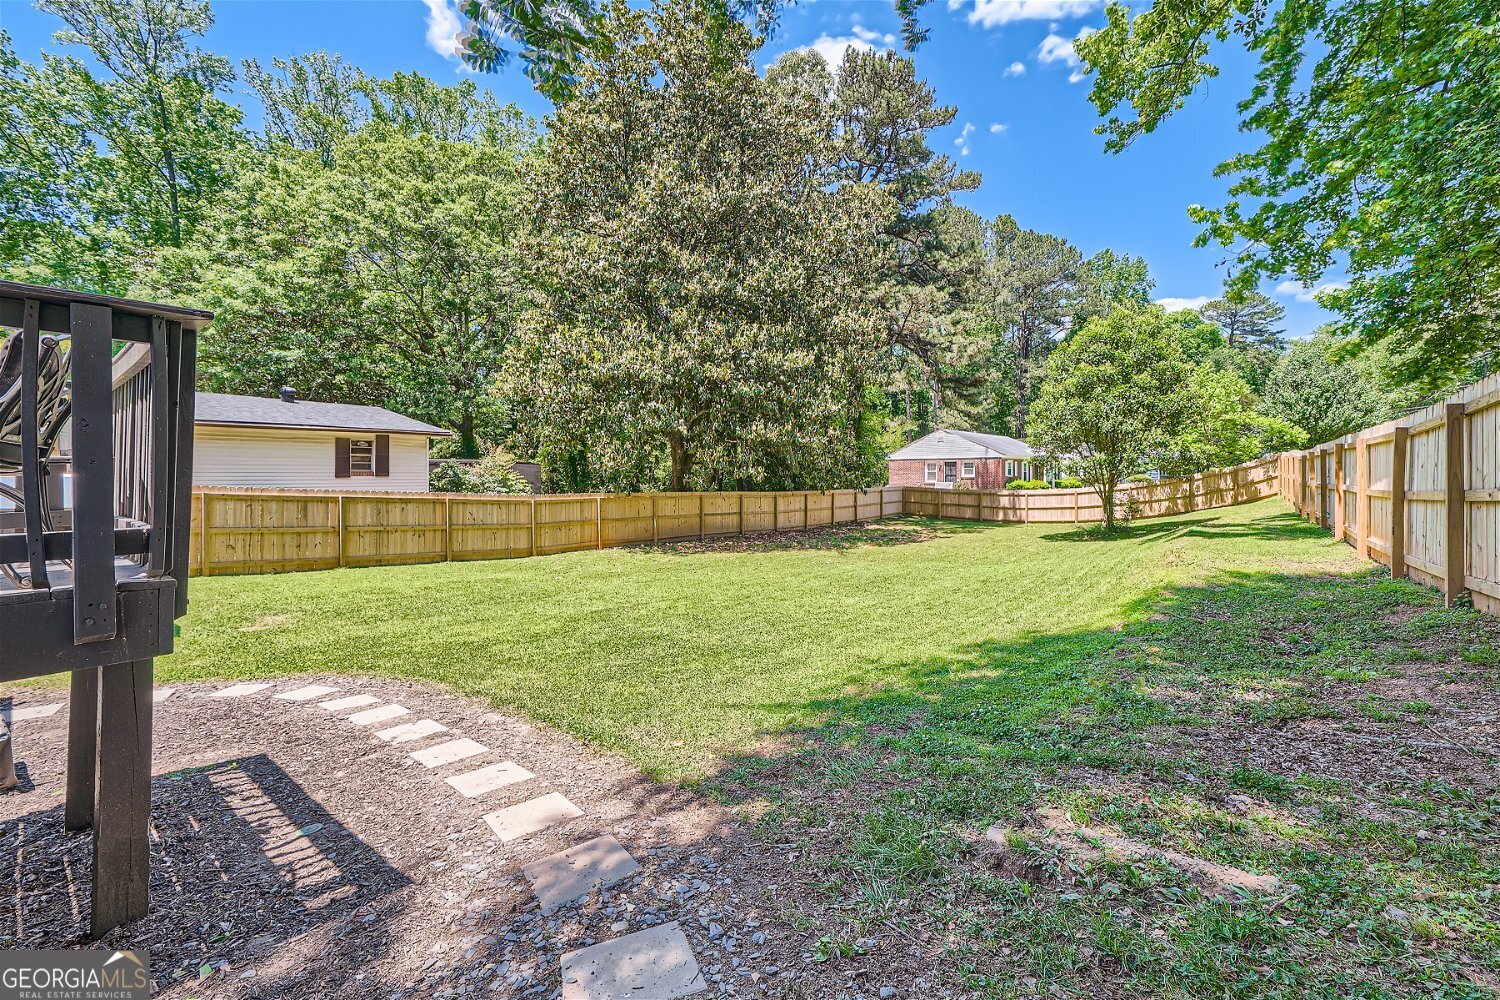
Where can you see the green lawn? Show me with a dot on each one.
(1230, 684)
(676, 659)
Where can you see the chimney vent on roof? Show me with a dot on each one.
(288, 394)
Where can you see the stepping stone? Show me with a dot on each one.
(356, 701)
(656, 963)
(31, 712)
(162, 694)
(568, 875)
(307, 694)
(448, 753)
(240, 690)
(515, 822)
(380, 714)
(487, 779)
(411, 731)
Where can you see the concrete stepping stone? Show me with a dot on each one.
(30, 712)
(240, 690)
(162, 694)
(656, 963)
(487, 779)
(307, 693)
(568, 875)
(515, 822)
(412, 731)
(354, 701)
(373, 715)
(449, 753)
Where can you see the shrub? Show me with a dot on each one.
(1027, 484)
(1070, 483)
(486, 477)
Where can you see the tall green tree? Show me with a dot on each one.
(1116, 393)
(1380, 154)
(1223, 427)
(1248, 320)
(1326, 396)
(107, 161)
(389, 277)
(1107, 280)
(695, 272)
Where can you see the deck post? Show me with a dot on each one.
(122, 810)
(83, 748)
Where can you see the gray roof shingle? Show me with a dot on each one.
(947, 444)
(255, 411)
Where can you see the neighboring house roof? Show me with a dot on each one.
(947, 444)
(255, 411)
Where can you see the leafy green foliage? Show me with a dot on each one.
(694, 270)
(1223, 428)
(1326, 397)
(1380, 155)
(387, 277)
(102, 162)
(1116, 393)
(493, 474)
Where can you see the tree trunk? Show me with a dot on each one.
(682, 460)
(1107, 495)
(468, 439)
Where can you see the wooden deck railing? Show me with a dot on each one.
(1420, 494)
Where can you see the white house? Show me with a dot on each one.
(290, 443)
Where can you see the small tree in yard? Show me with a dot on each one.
(1115, 392)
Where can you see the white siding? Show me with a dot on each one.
(277, 458)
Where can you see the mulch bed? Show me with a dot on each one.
(295, 855)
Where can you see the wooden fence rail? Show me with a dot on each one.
(277, 531)
(1420, 494)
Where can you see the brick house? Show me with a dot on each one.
(947, 459)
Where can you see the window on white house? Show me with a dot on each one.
(930, 473)
(362, 457)
(968, 470)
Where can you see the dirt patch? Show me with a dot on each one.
(838, 536)
(295, 855)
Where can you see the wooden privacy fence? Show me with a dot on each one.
(1420, 494)
(1221, 488)
(276, 531)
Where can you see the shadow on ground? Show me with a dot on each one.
(1336, 732)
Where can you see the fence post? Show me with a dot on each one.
(775, 511)
(1398, 503)
(340, 516)
(742, 511)
(1362, 497)
(1075, 506)
(533, 526)
(700, 517)
(1456, 549)
(1338, 491)
(447, 529)
(598, 522)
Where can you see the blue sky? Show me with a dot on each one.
(1024, 120)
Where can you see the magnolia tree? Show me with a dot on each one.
(1116, 392)
(694, 270)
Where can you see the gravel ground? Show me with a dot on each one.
(296, 855)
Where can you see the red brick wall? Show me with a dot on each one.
(989, 473)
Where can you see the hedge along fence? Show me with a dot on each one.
(278, 531)
(1420, 494)
(1220, 488)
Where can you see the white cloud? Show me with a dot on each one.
(832, 49)
(1015, 69)
(1302, 293)
(1056, 48)
(1171, 304)
(443, 28)
(996, 128)
(962, 142)
(993, 13)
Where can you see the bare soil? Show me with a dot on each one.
(295, 855)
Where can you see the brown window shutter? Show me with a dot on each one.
(382, 454)
(341, 458)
